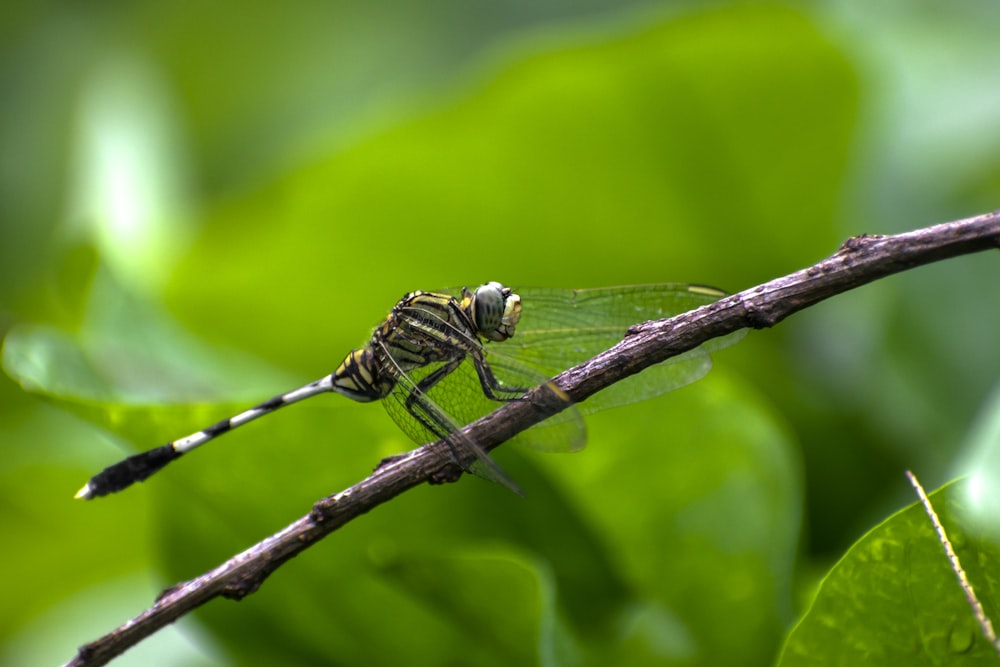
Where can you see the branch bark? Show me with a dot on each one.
(860, 260)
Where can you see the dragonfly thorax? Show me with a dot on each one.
(426, 328)
(494, 309)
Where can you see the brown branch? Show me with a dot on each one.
(860, 260)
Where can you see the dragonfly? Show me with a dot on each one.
(441, 360)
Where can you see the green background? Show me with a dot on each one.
(201, 207)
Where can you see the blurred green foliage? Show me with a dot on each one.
(202, 207)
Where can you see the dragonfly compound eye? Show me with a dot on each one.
(496, 311)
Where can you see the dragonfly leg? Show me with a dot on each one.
(421, 408)
(422, 414)
(493, 388)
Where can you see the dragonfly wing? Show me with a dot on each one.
(562, 432)
(434, 424)
(554, 308)
(461, 396)
(561, 328)
(653, 381)
(425, 421)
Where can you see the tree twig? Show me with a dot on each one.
(859, 261)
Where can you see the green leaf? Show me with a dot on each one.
(893, 599)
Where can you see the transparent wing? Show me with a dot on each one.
(460, 396)
(424, 421)
(561, 328)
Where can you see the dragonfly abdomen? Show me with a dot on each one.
(138, 467)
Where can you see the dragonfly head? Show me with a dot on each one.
(495, 309)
